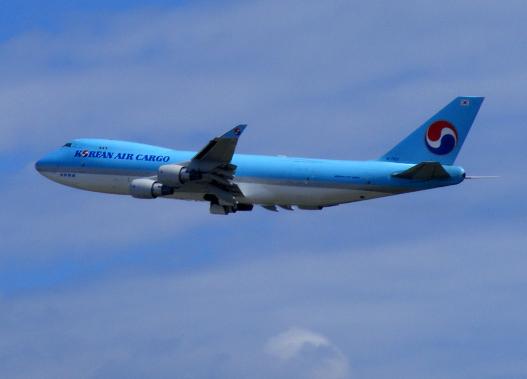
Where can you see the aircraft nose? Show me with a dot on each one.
(39, 165)
(48, 163)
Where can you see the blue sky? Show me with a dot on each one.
(427, 285)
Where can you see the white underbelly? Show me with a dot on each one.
(309, 195)
(116, 184)
(254, 193)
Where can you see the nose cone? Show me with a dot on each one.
(48, 164)
(39, 166)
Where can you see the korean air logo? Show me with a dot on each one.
(441, 137)
(85, 153)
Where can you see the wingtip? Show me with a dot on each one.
(235, 132)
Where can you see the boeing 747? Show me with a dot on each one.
(236, 182)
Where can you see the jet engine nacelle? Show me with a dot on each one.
(146, 188)
(175, 175)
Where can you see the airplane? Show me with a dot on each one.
(237, 182)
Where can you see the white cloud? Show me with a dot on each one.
(324, 359)
(289, 344)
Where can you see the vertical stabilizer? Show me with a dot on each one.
(440, 138)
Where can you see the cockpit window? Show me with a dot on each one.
(67, 144)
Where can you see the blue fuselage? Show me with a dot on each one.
(109, 166)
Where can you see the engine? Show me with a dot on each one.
(146, 188)
(174, 175)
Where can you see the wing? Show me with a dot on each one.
(213, 162)
(221, 149)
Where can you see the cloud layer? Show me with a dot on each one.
(428, 285)
(414, 310)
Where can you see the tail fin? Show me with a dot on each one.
(440, 138)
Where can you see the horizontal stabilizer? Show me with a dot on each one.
(271, 208)
(424, 171)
